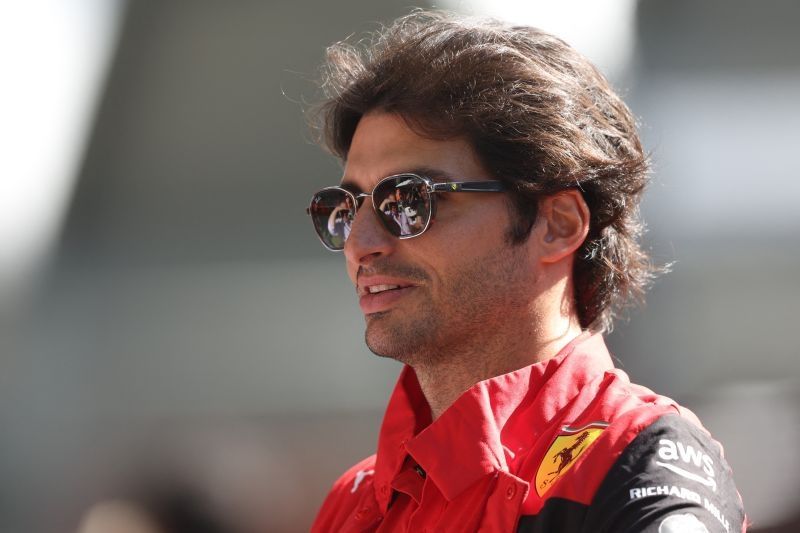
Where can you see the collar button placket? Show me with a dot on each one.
(365, 513)
(511, 490)
(504, 504)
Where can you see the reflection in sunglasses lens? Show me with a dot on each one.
(332, 212)
(403, 204)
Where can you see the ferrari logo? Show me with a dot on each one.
(565, 450)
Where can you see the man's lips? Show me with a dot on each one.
(379, 293)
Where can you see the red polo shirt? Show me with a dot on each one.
(530, 450)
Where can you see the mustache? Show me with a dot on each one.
(385, 268)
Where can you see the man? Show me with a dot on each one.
(508, 415)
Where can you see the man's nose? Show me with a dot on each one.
(368, 238)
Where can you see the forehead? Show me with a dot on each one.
(384, 145)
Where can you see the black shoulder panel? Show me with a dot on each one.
(670, 479)
(557, 515)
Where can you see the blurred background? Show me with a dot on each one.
(172, 333)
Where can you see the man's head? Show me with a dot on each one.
(499, 102)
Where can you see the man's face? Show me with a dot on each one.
(461, 280)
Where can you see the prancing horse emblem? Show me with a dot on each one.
(568, 445)
(566, 454)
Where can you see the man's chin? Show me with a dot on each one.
(375, 337)
(385, 339)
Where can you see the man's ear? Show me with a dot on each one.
(562, 225)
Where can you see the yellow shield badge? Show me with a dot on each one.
(565, 450)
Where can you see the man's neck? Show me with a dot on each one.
(445, 380)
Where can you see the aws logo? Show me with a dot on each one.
(675, 454)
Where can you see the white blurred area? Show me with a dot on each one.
(602, 30)
(173, 322)
(55, 55)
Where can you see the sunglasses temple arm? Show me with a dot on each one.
(470, 186)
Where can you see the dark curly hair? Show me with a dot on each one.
(539, 116)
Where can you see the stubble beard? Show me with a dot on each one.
(475, 306)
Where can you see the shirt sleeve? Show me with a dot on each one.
(671, 478)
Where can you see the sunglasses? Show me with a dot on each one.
(405, 204)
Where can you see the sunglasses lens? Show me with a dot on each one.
(332, 212)
(403, 204)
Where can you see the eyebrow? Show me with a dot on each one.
(435, 174)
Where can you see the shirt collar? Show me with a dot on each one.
(476, 435)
